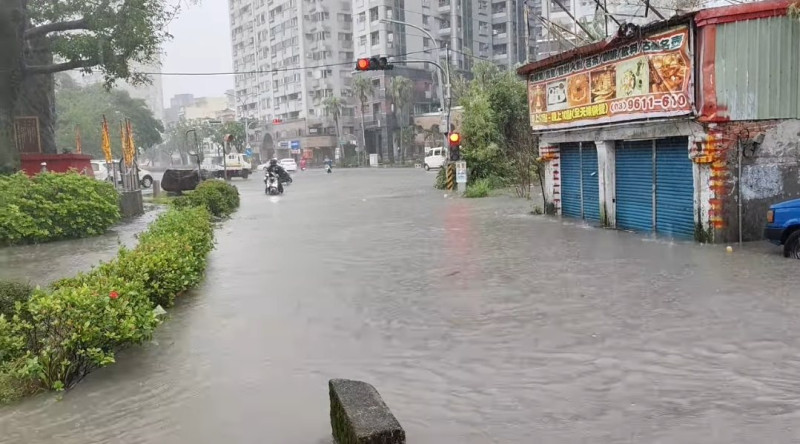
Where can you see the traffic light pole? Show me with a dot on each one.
(442, 73)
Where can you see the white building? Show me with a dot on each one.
(289, 56)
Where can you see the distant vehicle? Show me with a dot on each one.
(235, 163)
(273, 186)
(288, 164)
(783, 227)
(101, 172)
(434, 158)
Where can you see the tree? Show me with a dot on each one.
(105, 36)
(363, 89)
(10, 72)
(84, 107)
(333, 108)
(498, 141)
(402, 96)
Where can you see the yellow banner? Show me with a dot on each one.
(106, 144)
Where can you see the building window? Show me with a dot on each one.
(362, 17)
(373, 14)
(362, 41)
(375, 38)
(426, 20)
(426, 42)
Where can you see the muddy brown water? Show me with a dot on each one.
(477, 322)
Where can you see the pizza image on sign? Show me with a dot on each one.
(633, 77)
(578, 90)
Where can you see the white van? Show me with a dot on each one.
(434, 157)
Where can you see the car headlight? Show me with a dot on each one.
(770, 216)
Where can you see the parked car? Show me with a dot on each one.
(434, 158)
(783, 227)
(101, 172)
(289, 165)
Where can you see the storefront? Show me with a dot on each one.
(616, 125)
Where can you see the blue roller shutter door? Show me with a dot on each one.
(591, 187)
(570, 180)
(634, 185)
(674, 188)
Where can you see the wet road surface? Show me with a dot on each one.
(477, 322)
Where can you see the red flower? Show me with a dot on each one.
(113, 295)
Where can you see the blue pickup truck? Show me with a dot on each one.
(783, 227)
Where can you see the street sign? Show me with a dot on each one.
(248, 151)
(283, 144)
(461, 171)
(294, 144)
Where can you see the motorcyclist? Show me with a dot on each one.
(328, 163)
(278, 170)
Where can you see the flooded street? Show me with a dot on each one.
(477, 323)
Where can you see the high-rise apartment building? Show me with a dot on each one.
(290, 56)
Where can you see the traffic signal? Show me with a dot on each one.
(373, 64)
(455, 146)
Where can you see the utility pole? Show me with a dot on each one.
(441, 88)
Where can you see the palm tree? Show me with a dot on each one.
(333, 108)
(402, 95)
(363, 89)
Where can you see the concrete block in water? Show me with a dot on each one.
(359, 415)
(130, 203)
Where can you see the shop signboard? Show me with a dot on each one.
(644, 79)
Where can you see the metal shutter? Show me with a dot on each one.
(570, 180)
(674, 188)
(591, 187)
(634, 185)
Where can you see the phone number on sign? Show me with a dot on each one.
(667, 102)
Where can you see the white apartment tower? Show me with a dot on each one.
(290, 56)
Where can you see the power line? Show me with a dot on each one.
(269, 71)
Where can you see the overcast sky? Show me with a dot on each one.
(201, 43)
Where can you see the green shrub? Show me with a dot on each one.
(219, 197)
(11, 293)
(441, 179)
(59, 335)
(52, 206)
(480, 188)
(72, 330)
(170, 257)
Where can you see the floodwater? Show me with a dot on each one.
(44, 263)
(477, 322)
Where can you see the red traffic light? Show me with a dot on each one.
(455, 139)
(373, 64)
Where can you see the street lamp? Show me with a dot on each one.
(440, 73)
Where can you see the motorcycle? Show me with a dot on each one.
(272, 184)
(328, 168)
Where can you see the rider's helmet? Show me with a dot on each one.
(273, 161)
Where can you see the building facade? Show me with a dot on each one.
(288, 55)
(676, 129)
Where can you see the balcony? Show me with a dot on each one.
(444, 31)
(444, 6)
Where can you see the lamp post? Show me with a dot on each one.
(441, 73)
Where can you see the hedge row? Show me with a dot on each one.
(58, 335)
(219, 198)
(53, 206)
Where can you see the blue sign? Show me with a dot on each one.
(248, 152)
(295, 145)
